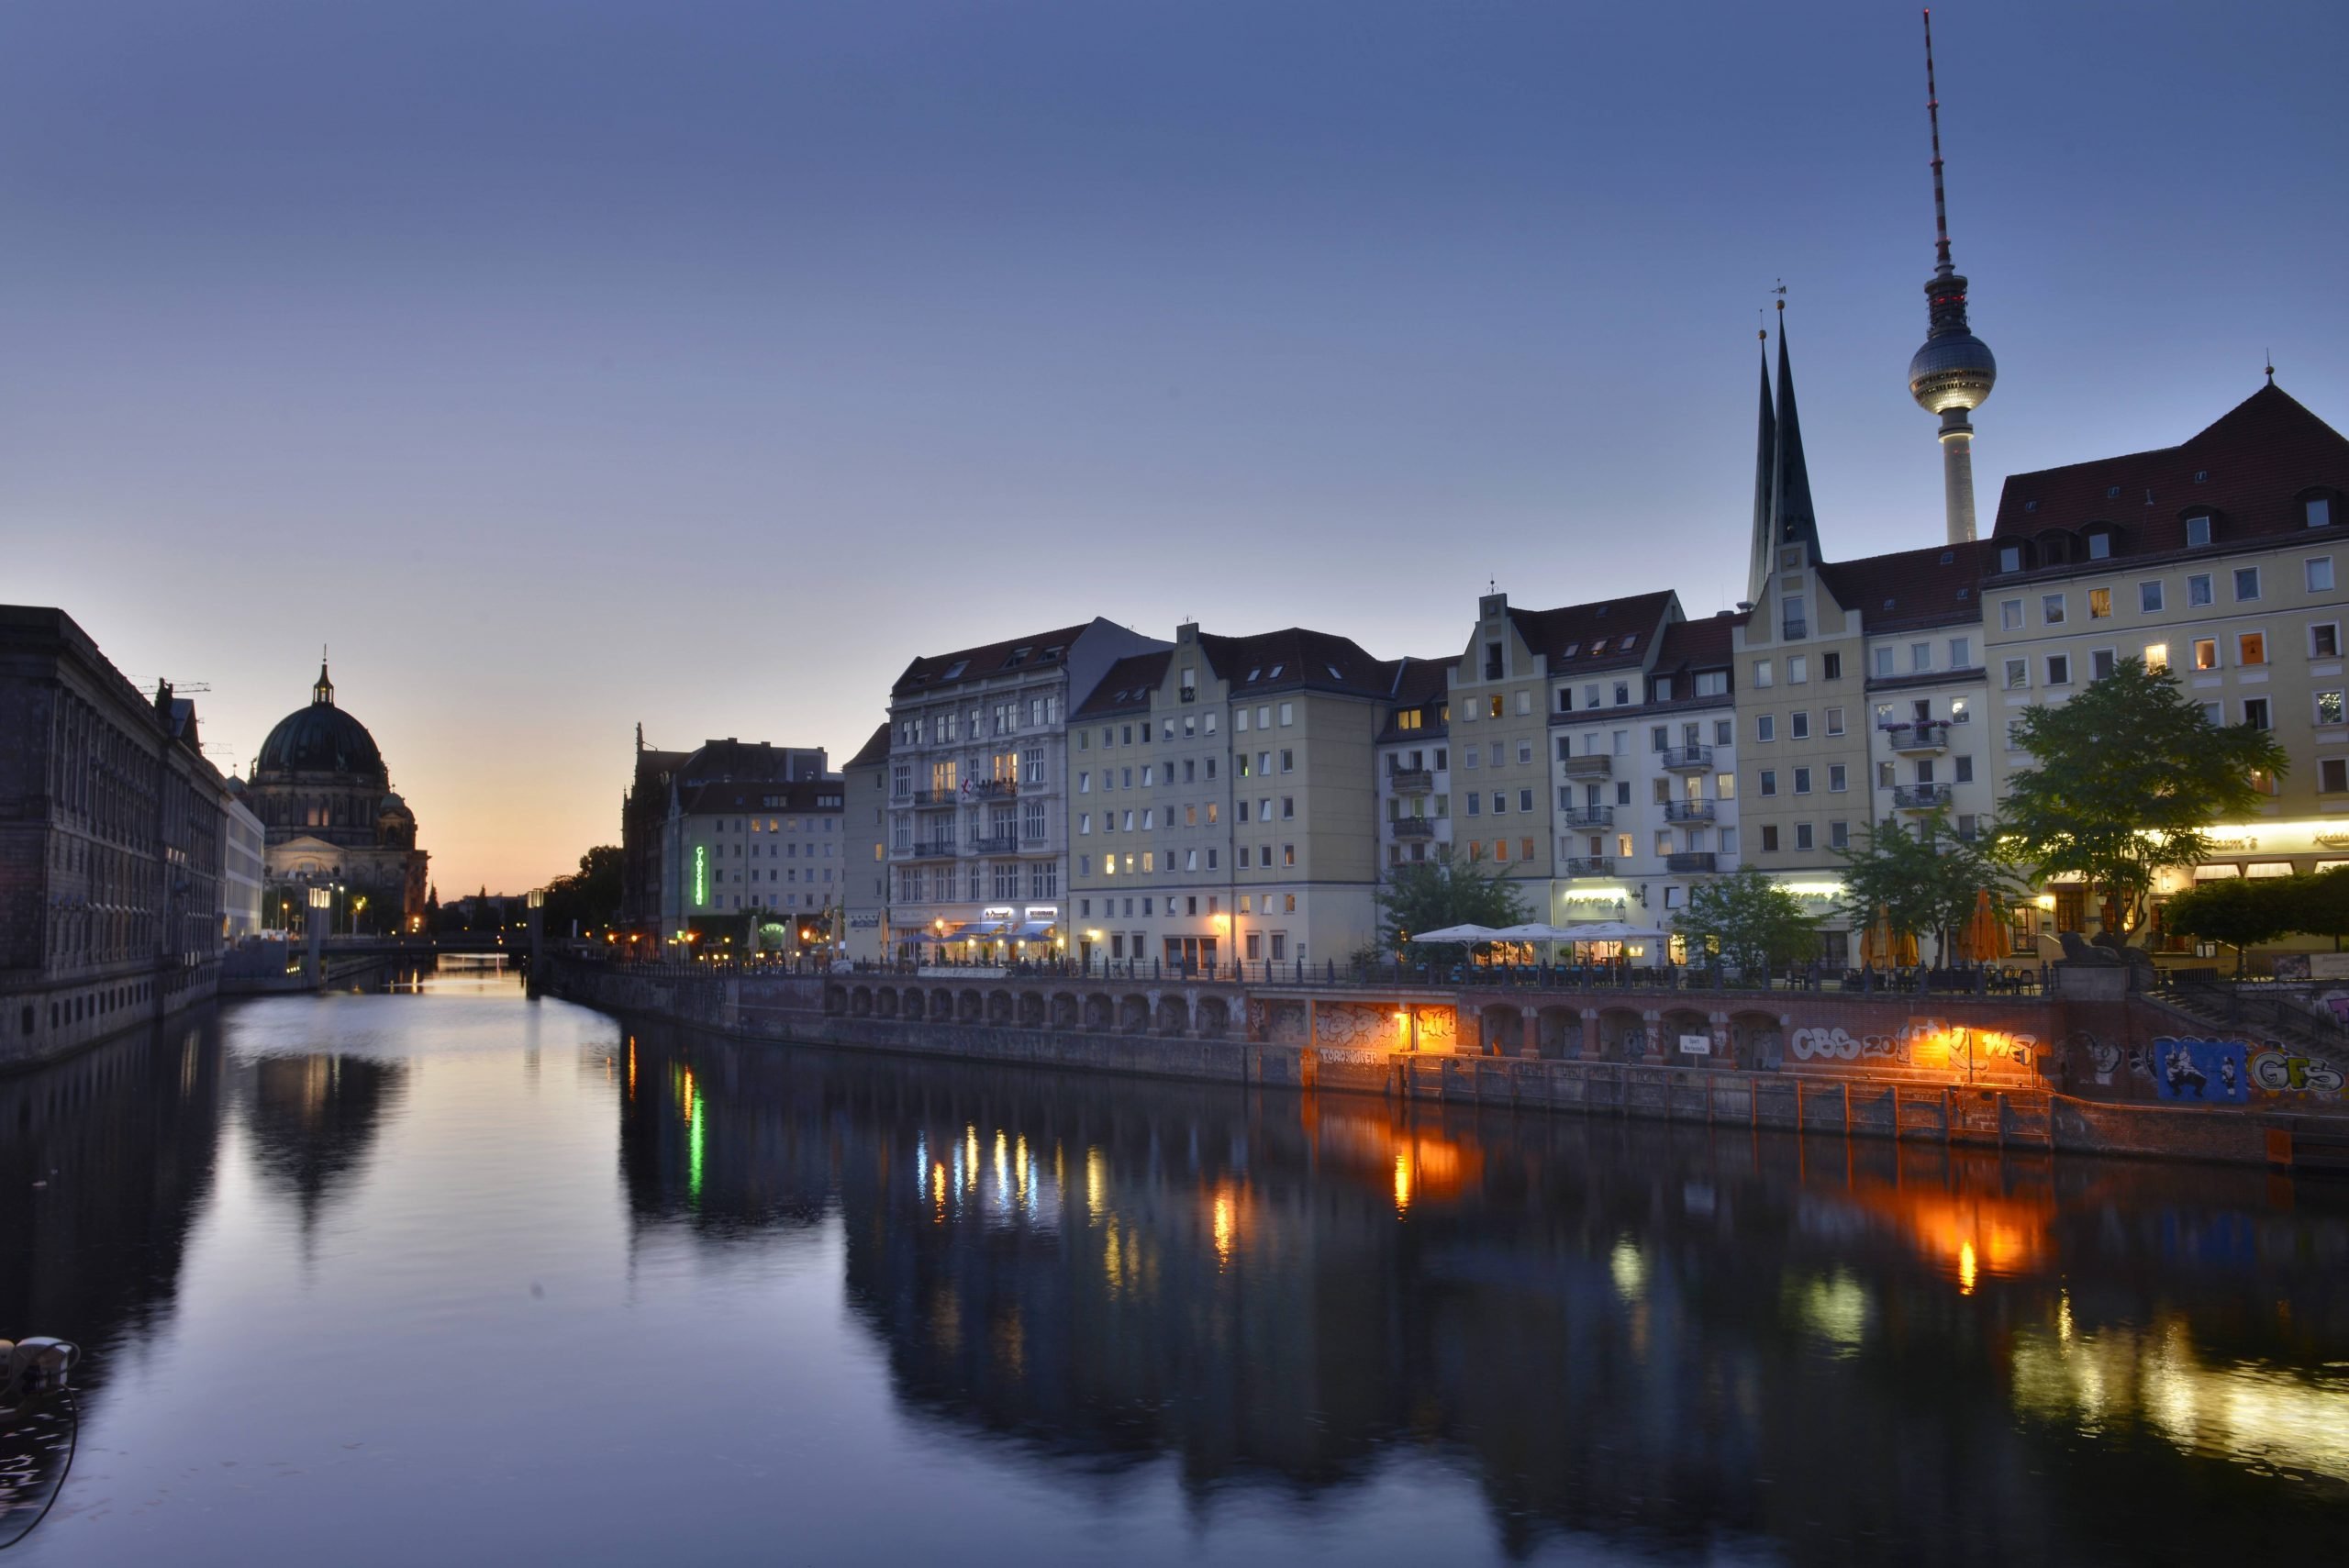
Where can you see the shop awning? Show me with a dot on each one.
(2217, 871)
(2268, 868)
(1033, 931)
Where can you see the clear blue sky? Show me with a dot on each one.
(576, 362)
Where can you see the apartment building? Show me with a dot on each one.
(978, 811)
(1225, 801)
(865, 836)
(750, 827)
(2219, 559)
(1925, 686)
(1414, 760)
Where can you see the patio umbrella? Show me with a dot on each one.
(1457, 934)
(1609, 931)
(1985, 935)
(1876, 942)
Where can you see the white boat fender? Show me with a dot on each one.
(35, 1365)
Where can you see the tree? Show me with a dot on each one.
(1749, 920)
(1428, 896)
(2126, 778)
(2238, 911)
(2320, 903)
(1925, 882)
(591, 897)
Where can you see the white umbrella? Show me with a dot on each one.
(1457, 934)
(1608, 931)
(1533, 931)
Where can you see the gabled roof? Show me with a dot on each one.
(1419, 682)
(1045, 650)
(1938, 585)
(751, 795)
(2254, 461)
(1605, 634)
(1697, 644)
(1297, 658)
(1126, 686)
(759, 761)
(875, 749)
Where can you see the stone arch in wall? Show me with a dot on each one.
(1215, 1017)
(1172, 1016)
(1031, 1009)
(836, 999)
(1501, 1029)
(859, 1001)
(970, 1007)
(1100, 1013)
(1000, 1007)
(1558, 1032)
(1622, 1035)
(1757, 1039)
(1065, 1010)
(884, 1002)
(1688, 1021)
(1133, 1014)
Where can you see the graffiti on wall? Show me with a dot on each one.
(1921, 1042)
(2276, 1072)
(2214, 1072)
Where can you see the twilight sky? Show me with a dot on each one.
(576, 362)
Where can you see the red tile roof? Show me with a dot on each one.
(1045, 650)
(2255, 464)
(1296, 657)
(1126, 686)
(1566, 637)
(1938, 585)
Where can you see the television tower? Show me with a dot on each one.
(1953, 371)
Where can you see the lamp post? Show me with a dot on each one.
(321, 908)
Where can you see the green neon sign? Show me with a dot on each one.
(701, 874)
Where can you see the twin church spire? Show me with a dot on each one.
(1783, 517)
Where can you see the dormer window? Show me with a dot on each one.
(2100, 546)
(1276, 673)
(2011, 557)
(2318, 509)
(1018, 657)
(2112, 492)
(1572, 649)
(2197, 531)
(955, 668)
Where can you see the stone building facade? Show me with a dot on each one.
(325, 800)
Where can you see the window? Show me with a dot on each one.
(1802, 781)
(2100, 663)
(1883, 775)
(2011, 559)
(2011, 614)
(1961, 653)
(2157, 656)
(1765, 726)
(1802, 836)
(1724, 731)
(2198, 590)
(2246, 583)
(2250, 647)
(1838, 778)
(1769, 837)
(1492, 706)
(2100, 602)
(1288, 761)
(2329, 708)
(2198, 532)
(2215, 712)
(1964, 767)
(1769, 781)
(2149, 598)
(2254, 713)
(2051, 609)
(2332, 775)
(1724, 786)
(2100, 547)
(1830, 666)
(1797, 670)
(1883, 661)
(2206, 652)
(1476, 803)
(1288, 713)
(1958, 711)
(2059, 669)
(2324, 640)
(2017, 674)
(1761, 673)
(1801, 726)
(1839, 835)
(1920, 657)
(2320, 574)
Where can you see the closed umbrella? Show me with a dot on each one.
(1876, 942)
(1985, 936)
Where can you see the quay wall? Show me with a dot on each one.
(2043, 1074)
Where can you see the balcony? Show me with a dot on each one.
(1687, 811)
(1686, 758)
(1795, 632)
(1590, 865)
(1920, 797)
(1688, 861)
(1587, 767)
(1413, 827)
(1586, 817)
(928, 849)
(936, 796)
(1410, 781)
(992, 789)
(1918, 740)
(994, 843)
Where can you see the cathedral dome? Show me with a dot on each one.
(320, 739)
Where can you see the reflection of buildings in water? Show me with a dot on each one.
(313, 1120)
(122, 1137)
(1683, 1335)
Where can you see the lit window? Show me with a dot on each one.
(2157, 656)
(2250, 647)
(2100, 602)
(2206, 652)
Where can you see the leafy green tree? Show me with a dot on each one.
(1428, 896)
(1748, 919)
(2238, 911)
(2126, 778)
(591, 897)
(1926, 883)
(2320, 904)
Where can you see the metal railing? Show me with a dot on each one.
(1920, 797)
(1588, 766)
(1687, 811)
(1588, 816)
(1933, 737)
(1590, 865)
(1680, 759)
(994, 843)
(928, 850)
(1410, 781)
(1683, 861)
(1413, 827)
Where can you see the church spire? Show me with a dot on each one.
(1792, 520)
(1765, 452)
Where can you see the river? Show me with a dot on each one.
(452, 1276)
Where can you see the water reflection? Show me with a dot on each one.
(1677, 1338)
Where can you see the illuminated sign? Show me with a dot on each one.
(701, 874)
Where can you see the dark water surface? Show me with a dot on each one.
(456, 1277)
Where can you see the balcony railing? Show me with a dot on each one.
(1796, 630)
(1410, 781)
(1920, 797)
(1590, 865)
(1686, 758)
(1687, 860)
(1587, 766)
(928, 849)
(1588, 816)
(1913, 738)
(1687, 811)
(1413, 827)
(936, 796)
(993, 789)
(994, 843)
